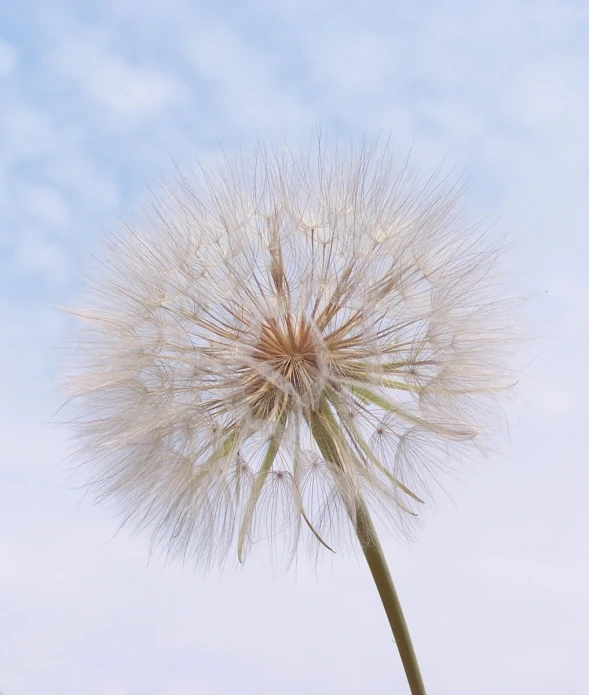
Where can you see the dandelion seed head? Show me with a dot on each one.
(268, 303)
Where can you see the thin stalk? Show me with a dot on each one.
(388, 595)
(321, 425)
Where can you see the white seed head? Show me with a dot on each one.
(278, 335)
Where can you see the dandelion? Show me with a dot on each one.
(283, 342)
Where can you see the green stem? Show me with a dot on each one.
(323, 431)
(388, 595)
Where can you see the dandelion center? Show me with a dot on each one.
(286, 350)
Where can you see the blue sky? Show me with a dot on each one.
(97, 99)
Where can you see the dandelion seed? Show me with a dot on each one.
(282, 343)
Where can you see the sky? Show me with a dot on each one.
(98, 99)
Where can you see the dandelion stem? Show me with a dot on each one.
(320, 424)
(388, 595)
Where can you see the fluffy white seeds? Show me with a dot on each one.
(280, 335)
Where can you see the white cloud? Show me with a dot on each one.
(549, 99)
(127, 90)
(28, 131)
(246, 82)
(556, 400)
(355, 60)
(35, 253)
(7, 59)
(45, 204)
(75, 171)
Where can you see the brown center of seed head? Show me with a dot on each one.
(287, 347)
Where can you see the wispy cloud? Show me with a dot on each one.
(248, 85)
(129, 91)
(8, 58)
(46, 205)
